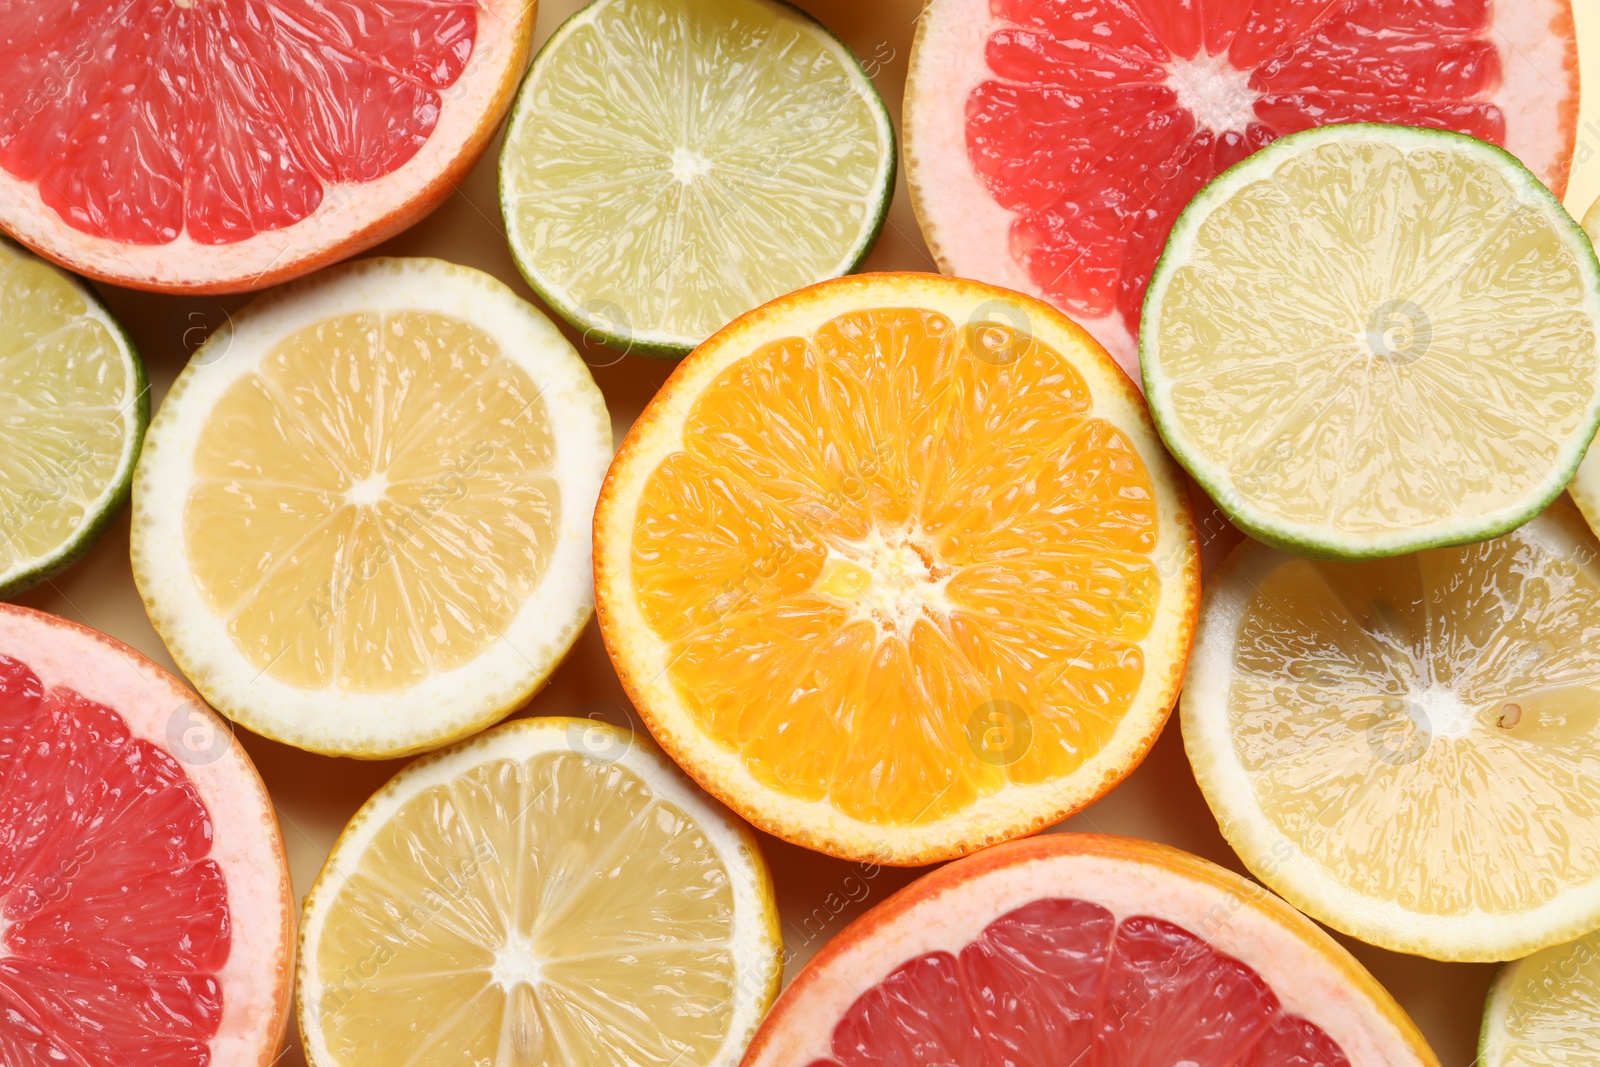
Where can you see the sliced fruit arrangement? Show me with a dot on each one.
(73, 411)
(145, 909)
(1409, 750)
(225, 145)
(737, 144)
(1368, 340)
(1050, 147)
(1544, 1011)
(896, 567)
(1585, 486)
(1078, 948)
(361, 523)
(553, 891)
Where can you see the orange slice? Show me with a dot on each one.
(897, 568)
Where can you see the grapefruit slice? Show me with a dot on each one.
(225, 145)
(145, 910)
(897, 568)
(1050, 147)
(1091, 950)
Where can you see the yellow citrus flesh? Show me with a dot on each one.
(563, 909)
(1421, 734)
(896, 567)
(68, 416)
(1369, 340)
(1544, 1011)
(373, 503)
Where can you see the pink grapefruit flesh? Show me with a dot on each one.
(1085, 950)
(227, 144)
(1050, 147)
(145, 910)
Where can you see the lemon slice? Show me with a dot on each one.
(553, 892)
(1544, 1011)
(670, 166)
(73, 410)
(1367, 340)
(1409, 749)
(1585, 486)
(361, 523)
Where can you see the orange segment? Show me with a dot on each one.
(858, 537)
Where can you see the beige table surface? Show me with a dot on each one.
(315, 795)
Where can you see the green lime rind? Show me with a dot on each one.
(1297, 538)
(595, 328)
(25, 575)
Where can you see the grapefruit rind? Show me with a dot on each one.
(1308, 539)
(1312, 975)
(640, 656)
(659, 343)
(761, 940)
(960, 219)
(247, 843)
(1479, 937)
(100, 514)
(445, 706)
(352, 216)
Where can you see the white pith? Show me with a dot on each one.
(1214, 91)
(447, 703)
(755, 944)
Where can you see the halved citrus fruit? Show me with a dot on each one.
(224, 145)
(145, 909)
(1406, 749)
(896, 567)
(737, 143)
(553, 892)
(361, 521)
(1084, 949)
(1369, 340)
(1585, 485)
(1050, 147)
(1544, 1011)
(73, 409)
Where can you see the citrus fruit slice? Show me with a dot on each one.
(1050, 149)
(1359, 728)
(1085, 949)
(1585, 485)
(1544, 1011)
(361, 522)
(738, 144)
(551, 892)
(1368, 340)
(145, 909)
(896, 567)
(73, 410)
(224, 145)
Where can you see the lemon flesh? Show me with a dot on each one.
(375, 502)
(73, 408)
(1409, 749)
(571, 903)
(1367, 340)
(1544, 1011)
(669, 166)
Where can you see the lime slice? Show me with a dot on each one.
(552, 892)
(1544, 1011)
(670, 166)
(1408, 749)
(1367, 340)
(73, 409)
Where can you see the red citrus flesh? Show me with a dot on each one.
(1086, 950)
(120, 938)
(1093, 124)
(1062, 981)
(219, 118)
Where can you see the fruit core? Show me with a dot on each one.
(1213, 90)
(890, 580)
